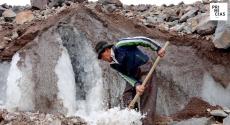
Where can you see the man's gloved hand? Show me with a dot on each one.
(161, 52)
(140, 89)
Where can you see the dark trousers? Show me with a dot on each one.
(148, 99)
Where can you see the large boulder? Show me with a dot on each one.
(189, 14)
(39, 4)
(9, 15)
(25, 16)
(206, 27)
(222, 33)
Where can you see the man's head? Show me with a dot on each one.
(103, 50)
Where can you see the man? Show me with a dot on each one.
(129, 60)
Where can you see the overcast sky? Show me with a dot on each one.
(157, 2)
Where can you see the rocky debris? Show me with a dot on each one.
(28, 118)
(218, 113)
(25, 16)
(9, 15)
(44, 4)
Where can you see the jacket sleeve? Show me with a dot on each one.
(139, 41)
(132, 81)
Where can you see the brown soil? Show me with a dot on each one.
(195, 108)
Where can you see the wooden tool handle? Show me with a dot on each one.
(132, 103)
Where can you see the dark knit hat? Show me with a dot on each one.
(100, 48)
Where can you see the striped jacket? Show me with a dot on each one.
(128, 57)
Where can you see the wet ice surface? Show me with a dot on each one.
(114, 116)
(4, 68)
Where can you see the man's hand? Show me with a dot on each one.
(140, 89)
(161, 52)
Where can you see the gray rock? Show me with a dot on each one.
(154, 19)
(1, 10)
(187, 30)
(5, 6)
(219, 113)
(110, 8)
(222, 34)
(55, 3)
(206, 1)
(189, 14)
(226, 121)
(40, 4)
(115, 2)
(14, 35)
(178, 27)
(142, 7)
(206, 27)
(181, 3)
(9, 15)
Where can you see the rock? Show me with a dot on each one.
(154, 19)
(25, 16)
(164, 26)
(1, 10)
(226, 121)
(218, 113)
(171, 24)
(142, 7)
(55, 3)
(206, 27)
(222, 34)
(3, 44)
(181, 3)
(115, 2)
(178, 27)
(110, 8)
(14, 35)
(7, 39)
(189, 14)
(9, 15)
(187, 30)
(172, 18)
(206, 1)
(39, 4)
(171, 5)
(5, 6)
